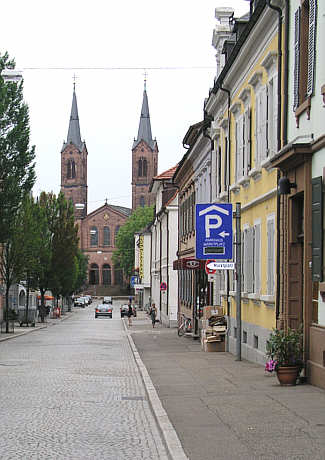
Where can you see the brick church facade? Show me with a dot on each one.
(98, 229)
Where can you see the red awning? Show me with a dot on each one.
(46, 297)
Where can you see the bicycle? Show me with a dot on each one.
(185, 328)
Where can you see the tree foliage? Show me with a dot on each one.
(124, 255)
(17, 168)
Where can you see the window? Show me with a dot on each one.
(71, 169)
(239, 149)
(107, 275)
(116, 232)
(142, 201)
(94, 274)
(94, 237)
(142, 167)
(106, 236)
(304, 51)
(270, 256)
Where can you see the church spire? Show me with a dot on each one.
(144, 131)
(74, 136)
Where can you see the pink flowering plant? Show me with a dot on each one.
(284, 348)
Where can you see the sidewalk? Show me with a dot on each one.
(225, 409)
(26, 330)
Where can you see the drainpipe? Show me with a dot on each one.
(279, 11)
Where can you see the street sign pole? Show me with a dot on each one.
(238, 281)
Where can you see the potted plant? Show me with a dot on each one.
(285, 352)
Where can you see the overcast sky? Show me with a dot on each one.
(138, 35)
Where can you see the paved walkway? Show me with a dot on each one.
(225, 409)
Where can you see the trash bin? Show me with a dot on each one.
(31, 316)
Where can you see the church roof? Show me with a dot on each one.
(144, 131)
(120, 209)
(126, 211)
(74, 136)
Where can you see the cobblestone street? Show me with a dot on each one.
(73, 391)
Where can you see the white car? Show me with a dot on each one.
(80, 302)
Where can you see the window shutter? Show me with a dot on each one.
(311, 46)
(270, 257)
(275, 115)
(297, 60)
(247, 142)
(250, 268)
(241, 147)
(237, 150)
(263, 123)
(256, 129)
(317, 228)
(257, 258)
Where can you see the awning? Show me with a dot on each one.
(46, 297)
(188, 263)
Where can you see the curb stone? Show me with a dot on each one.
(172, 441)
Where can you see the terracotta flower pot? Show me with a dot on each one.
(287, 375)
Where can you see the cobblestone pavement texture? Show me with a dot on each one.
(225, 409)
(74, 391)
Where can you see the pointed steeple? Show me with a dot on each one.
(144, 131)
(74, 136)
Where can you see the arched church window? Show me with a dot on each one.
(107, 236)
(93, 236)
(144, 168)
(140, 168)
(116, 232)
(71, 169)
(142, 201)
(94, 274)
(107, 274)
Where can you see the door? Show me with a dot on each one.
(295, 285)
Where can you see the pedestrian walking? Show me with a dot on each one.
(130, 313)
(153, 314)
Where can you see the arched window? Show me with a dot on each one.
(116, 232)
(94, 274)
(144, 167)
(94, 237)
(140, 168)
(107, 275)
(118, 276)
(71, 169)
(142, 201)
(106, 236)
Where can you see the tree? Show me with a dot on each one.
(64, 251)
(124, 255)
(17, 175)
(17, 168)
(82, 260)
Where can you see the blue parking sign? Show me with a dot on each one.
(214, 236)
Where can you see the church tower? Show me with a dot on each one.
(74, 164)
(144, 159)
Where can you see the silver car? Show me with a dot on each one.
(103, 310)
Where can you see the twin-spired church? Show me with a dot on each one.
(97, 230)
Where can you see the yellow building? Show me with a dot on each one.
(244, 104)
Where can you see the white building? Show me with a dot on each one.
(164, 245)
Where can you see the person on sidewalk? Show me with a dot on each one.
(130, 313)
(153, 314)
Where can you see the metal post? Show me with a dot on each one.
(238, 281)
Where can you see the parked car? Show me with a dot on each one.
(89, 299)
(80, 302)
(108, 300)
(103, 310)
(125, 308)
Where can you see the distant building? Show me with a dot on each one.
(97, 230)
(144, 159)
